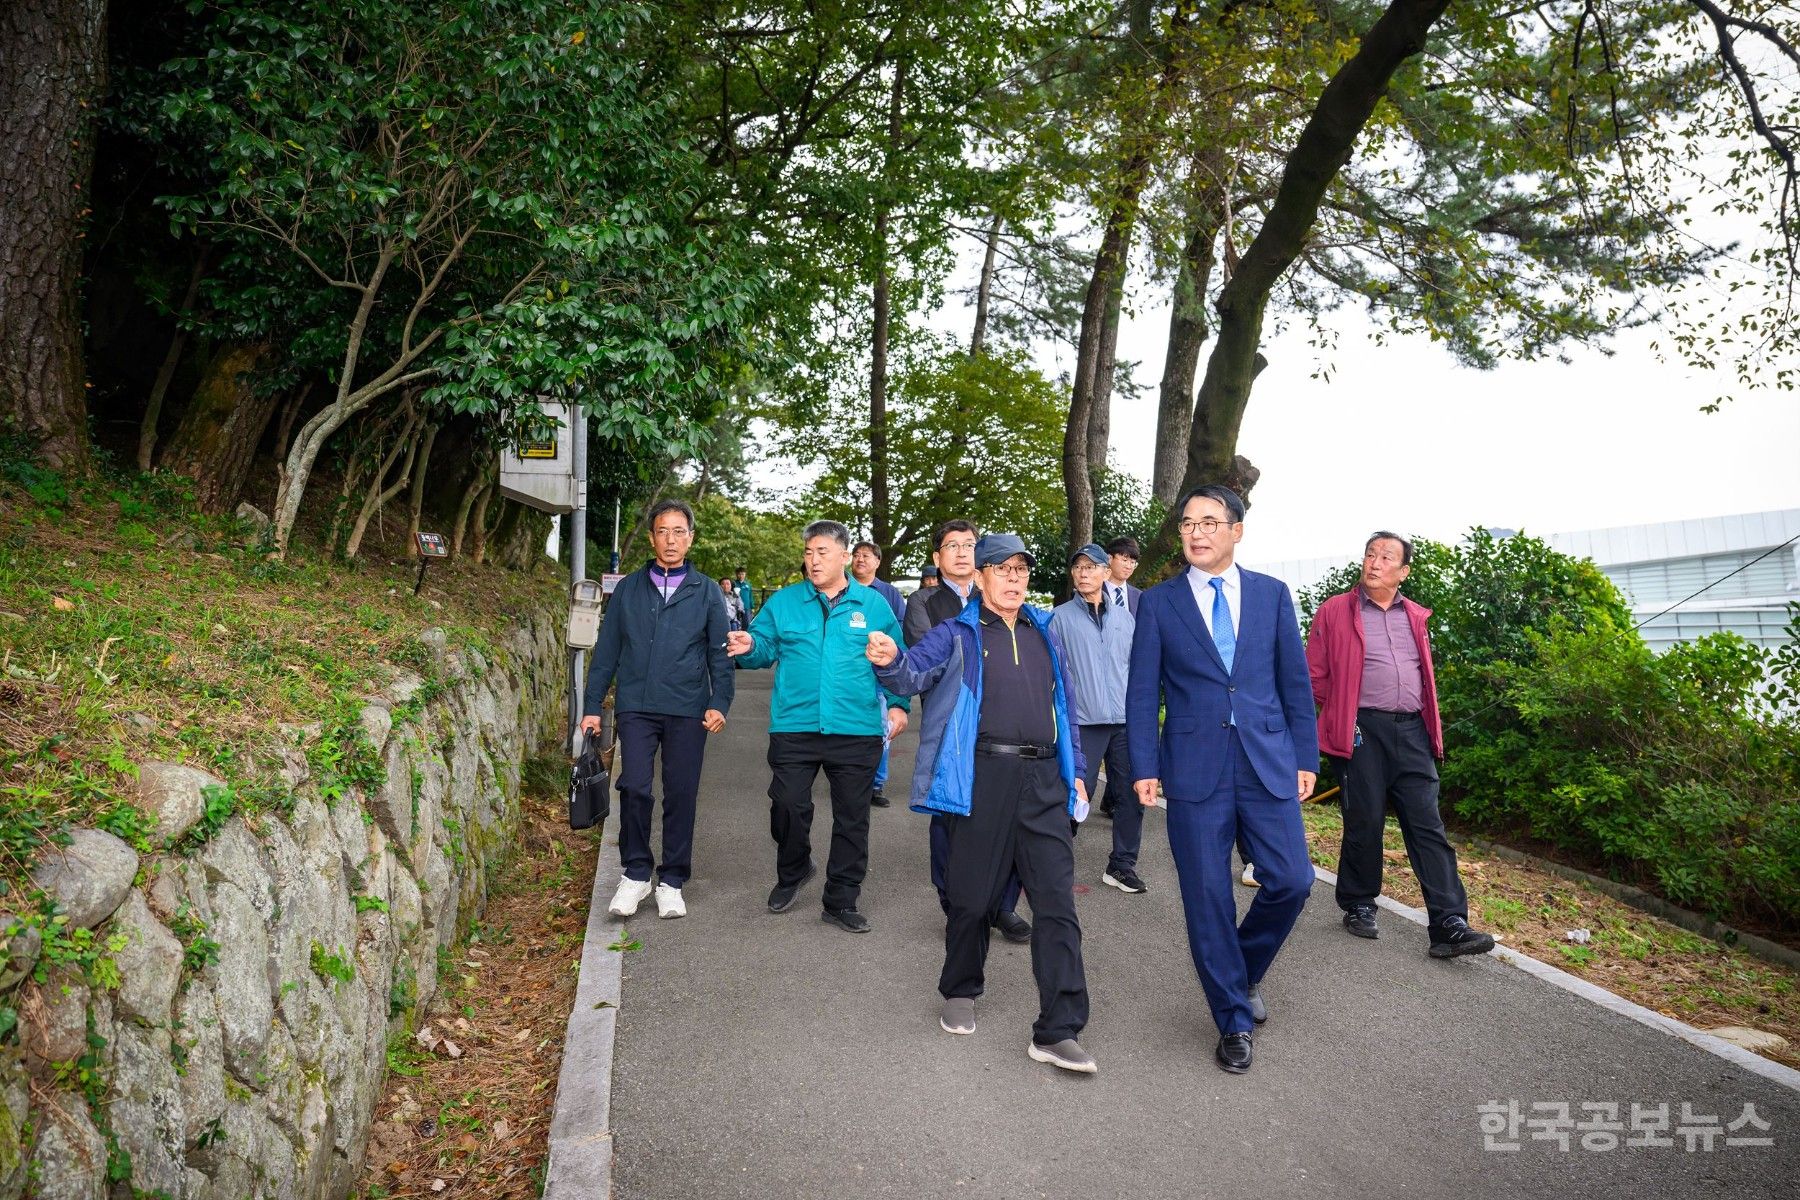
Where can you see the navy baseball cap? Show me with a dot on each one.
(929, 572)
(1093, 552)
(996, 548)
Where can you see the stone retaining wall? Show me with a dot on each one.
(310, 939)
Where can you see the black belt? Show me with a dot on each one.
(1016, 749)
(1392, 716)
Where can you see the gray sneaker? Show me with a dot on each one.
(1259, 1012)
(958, 1015)
(1066, 1054)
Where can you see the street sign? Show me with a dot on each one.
(432, 545)
(610, 581)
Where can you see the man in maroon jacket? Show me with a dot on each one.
(1370, 662)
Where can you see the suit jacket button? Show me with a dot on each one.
(1231, 687)
(1224, 724)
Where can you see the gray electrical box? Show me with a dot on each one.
(540, 470)
(584, 614)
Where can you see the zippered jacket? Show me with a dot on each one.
(668, 656)
(1334, 658)
(824, 682)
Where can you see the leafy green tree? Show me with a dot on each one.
(486, 202)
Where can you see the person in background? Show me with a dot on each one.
(1218, 652)
(1096, 637)
(664, 641)
(1000, 763)
(1122, 559)
(928, 576)
(865, 561)
(953, 551)
(734, 607)
(1370, 662)
(746, 593)
(823, 716)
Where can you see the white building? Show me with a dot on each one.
(1752, 561)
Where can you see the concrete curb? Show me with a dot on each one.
(1656, 906)
(1756, 1064)
(581, 1142)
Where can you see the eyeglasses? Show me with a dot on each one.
(1206, 525)
(952, 547)
(667, 534)
(1012, 571)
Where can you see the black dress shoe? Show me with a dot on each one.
(877, 800)
(782, 898)
(1013, 927)
(1234, 1053)
(1360, 920)
(847, 919)
(1454, 938)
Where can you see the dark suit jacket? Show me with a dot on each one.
(928, 608)
(1175, 664)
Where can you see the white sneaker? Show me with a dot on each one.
(669, 902)
(631, 893)
(1248, 879)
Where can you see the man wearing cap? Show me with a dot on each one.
(827, 714)
(928, 576)
(1218, 648)
(953, 550)
(1096, 635)
(998, 757)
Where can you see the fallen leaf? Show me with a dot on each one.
(468, 1143)
(502, 1130)
(438, 1185)
(61, 605)
(525, 1033)
(397, 1167)
(452, 1049)
(462, 1024)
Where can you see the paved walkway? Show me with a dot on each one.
(775, 1056)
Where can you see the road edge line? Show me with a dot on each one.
(581, 1141)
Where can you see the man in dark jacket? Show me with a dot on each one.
(663, 640)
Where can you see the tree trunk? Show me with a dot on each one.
(478, 486)
(984, 291)
(1105, 369)
(215, 443)
(1188, 331)
(478, 519)
(380, 492)
(1320, 152)
(289, 410)
(880, 516)
(415, 508)
(146, 450)
(52, 76)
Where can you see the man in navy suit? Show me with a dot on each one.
(1219, 649)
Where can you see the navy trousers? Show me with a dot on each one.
(940, 857)
(1231, 956)
(682, 743)
(1107, 742)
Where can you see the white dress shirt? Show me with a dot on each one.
(1200, 583)
(1115, 594)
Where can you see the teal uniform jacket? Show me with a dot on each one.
(824, 682)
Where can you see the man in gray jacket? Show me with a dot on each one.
(1096, 633)
(664, 641)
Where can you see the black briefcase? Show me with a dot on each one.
(590, 788)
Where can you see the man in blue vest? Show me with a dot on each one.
(1000, 762)
(663, 640)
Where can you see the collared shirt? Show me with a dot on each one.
(961, 589)
(1200, 583)
(1115, 594)
(1392, 679)
(1018, 682)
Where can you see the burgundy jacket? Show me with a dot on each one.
(1334, 658)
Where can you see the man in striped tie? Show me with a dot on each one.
(1219, 649)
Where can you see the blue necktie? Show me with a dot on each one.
(1224, 637)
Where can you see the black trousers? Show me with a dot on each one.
(682, 742)
(1394, 765)
(795, 760)
(940, 855)
(1107, 742)
(1018, 820)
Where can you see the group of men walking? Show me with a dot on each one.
(1197, 691)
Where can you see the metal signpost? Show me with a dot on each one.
(431, 545)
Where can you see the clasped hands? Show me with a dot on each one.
(1146, 788)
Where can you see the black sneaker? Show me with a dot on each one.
(877, 800)
(1013, 927)
(1125, 879)
(1360, 920)
(1454, 938)
(782, 898)
(847, 919)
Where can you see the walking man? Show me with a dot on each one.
(1122, 555)
(746, 592)
(1097, 637)
(663, 641)
(865, 560)
(1219, 648)
(998, 759)
(1371, 669)
(827, 714)
(953, 551)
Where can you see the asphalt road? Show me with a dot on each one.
(765, 1055)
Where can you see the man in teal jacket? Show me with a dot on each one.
(828, 712)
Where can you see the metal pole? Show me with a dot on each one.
(577, 563)
(615, 549)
